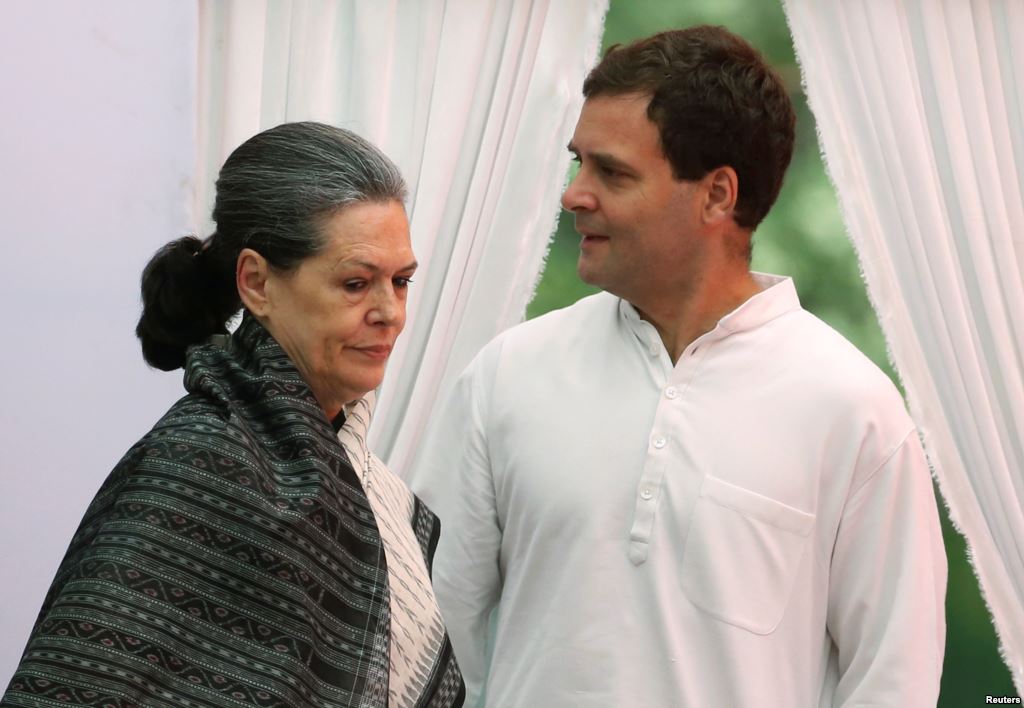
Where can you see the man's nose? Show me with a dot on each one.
(578, 196)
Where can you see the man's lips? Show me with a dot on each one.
(591, 239)
(379, 352)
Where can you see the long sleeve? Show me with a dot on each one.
(887, 587)
(453, 476)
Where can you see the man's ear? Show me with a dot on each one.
(722, 190)
(251, 273)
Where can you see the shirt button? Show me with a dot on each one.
(646, 493)
(659, 442)
(671, 392)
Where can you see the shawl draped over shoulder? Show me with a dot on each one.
(230, 559)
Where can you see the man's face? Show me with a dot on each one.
(640, 225)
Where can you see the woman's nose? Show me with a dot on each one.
(388, 307)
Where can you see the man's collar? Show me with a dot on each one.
(777, 297)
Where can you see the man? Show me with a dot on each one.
(686, 490)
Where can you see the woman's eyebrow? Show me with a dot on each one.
(372, 267)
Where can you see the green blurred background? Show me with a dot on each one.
(803, 237)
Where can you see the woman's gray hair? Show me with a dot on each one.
(273, 194)
(275, 189)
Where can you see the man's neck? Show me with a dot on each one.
(681, 319)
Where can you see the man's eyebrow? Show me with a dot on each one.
(611, 162)
(603, 158)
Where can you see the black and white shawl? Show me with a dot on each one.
(231, 558)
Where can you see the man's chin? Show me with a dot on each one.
(585, 269)
(601, 280)
(590, 274)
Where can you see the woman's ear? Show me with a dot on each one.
(251, 272)
(722, 187)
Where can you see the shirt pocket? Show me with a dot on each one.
(742, 555)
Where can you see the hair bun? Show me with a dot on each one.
(180, 304)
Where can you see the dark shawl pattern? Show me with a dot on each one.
(230, 559)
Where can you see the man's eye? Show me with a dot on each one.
(354, 286)
(402, 282)
(611, 171)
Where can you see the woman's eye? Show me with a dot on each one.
(354, 286)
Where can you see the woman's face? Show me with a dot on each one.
(338, 313)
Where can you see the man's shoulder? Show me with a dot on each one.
(546, 341)
(585, 316)
(831, 366)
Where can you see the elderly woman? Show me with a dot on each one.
(250, 550)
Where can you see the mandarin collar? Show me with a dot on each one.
(777, 297)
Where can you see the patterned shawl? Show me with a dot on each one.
(230, 559)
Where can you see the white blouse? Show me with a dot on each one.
(417, 630)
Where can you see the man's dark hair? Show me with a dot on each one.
(715, 102)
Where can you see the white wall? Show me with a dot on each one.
(96, 157)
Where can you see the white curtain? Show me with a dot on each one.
(920, 109)
(475, 101)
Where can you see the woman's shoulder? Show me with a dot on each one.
(192, 427)
(187, 425)
(192, 412)
(194, 419)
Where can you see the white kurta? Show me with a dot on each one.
(754, 526)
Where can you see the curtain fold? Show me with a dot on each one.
(475, 101)
(920, 111)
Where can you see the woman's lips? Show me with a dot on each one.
(378, 352)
